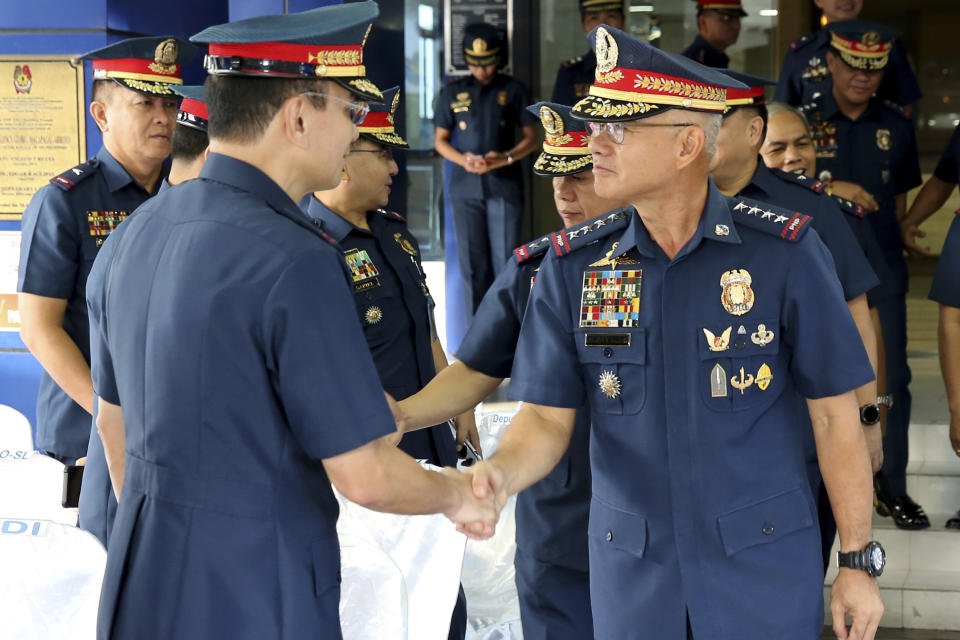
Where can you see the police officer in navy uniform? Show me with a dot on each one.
(933, 195)
(702, 519)
(575, 76)
(739, 171)
(484, 109)
(551, 557)
(718, 22)
(229, 338)
(392, 300)
(804, 71)
(98, 503)
(946, 291)
(869, 141)
(68, 220)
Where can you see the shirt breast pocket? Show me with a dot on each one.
(381, 313)
(614, 368)
(741, 366)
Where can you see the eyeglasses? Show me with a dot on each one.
(356, 111)
(385, 153)
(616, 129)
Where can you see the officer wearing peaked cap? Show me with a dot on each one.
(98, 503)
(390, 290)
(254, 390)
(739, 171)
(805, 73)
(477, 119)
(575, 76)
(718, 22)
(551, 558)
(866, 140)
(67, 221)
(696, 335)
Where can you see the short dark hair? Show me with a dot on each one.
(241, 108)
(188, 143)
(101, 90)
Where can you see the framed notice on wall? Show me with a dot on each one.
(42, 119)
(459, 13)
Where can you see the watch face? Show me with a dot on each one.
(877, 558)
(870, 414)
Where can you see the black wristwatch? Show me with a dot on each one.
(872, 559)
(869, 414)
(885, 400)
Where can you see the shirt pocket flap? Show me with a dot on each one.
(623, 530)
(766, 521)
(612, 347)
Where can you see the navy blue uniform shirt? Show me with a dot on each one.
(948, 168)
(574, 78)
(805, 73)
(697, 427)
(64, 226)
(230, 341)
(946, 280)
(706, 54)
(485, 118)
(552, 514)
(878, 151)
(396, 311)
(855, 273)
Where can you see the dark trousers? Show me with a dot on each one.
(828, 526)
(893, 318)
(486, 232)
(554, 600)
(458, 620)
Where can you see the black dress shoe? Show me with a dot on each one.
(906, 513)
(954, 522)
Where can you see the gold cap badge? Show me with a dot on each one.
(607, 51)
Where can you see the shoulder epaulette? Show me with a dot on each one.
(802, 42)
(532, 249)
(392, 215)
(566, 241)
(896, 108)
(817, 186)
(566, 64)
(72, 177)
(849, 206)
(322, 232)
(763, 216)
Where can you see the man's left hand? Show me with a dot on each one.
(857, 594)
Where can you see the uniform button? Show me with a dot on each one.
(609, 536)
(608, 352)
(767, 529)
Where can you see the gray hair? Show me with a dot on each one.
(773, 108)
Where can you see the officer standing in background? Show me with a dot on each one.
(738, 171)
(933, 195)
(68, 220)
(551, 556)
(869, 141)
(575, 76)
(805, 71)
(390, 290)
(98, 502)
(485, 109)
(719, 24)
(946, 291)
(229, 338)
(699, 477)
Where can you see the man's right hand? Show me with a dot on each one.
(475, 516)
(855, 192)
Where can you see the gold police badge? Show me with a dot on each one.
(373, 315)
(502, 98)
(405, 244)
(609, 384)
(737, 297)
(883, 139)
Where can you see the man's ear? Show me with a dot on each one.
(293, 120)
(98, 111)
(691, 141)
